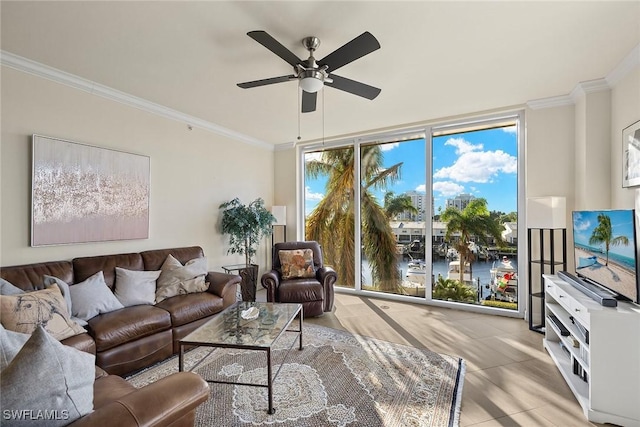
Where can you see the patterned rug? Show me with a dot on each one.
(338, 379)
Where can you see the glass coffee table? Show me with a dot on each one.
(229, 330)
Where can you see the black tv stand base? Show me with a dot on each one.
(599, 295)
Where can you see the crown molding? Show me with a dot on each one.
(590, 86)
(29, 66)
(552, 102)
(625, 66)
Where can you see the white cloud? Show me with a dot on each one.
(479, 166)
(447, 188)
(462, 145)
(310, 195)
(510, 129)
(389, 147)
(421, 188)
(317, 156)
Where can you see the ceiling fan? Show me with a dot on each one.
(311, 74)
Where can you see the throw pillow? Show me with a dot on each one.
(93, 297)
(48, 381)
(64, 288)
(10, 344)
(297, 263)
(177, 279)
(136, 287)
(8, 288)
(24, 312)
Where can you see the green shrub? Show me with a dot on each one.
(500, 304)
(449, 289)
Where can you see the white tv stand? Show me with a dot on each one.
(610, 360)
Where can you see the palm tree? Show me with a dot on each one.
(603, 233)
(448, 289)
(395, 205)
(473, 220)
(332, 222)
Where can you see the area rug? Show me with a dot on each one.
(338, 379)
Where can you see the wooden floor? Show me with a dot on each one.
(510, 379)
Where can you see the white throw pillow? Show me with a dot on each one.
(48, 379)
(8, 288)
(177, 279)
(136, 287)
(10, 344)
(93, 297)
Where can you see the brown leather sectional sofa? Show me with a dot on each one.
(135, 337)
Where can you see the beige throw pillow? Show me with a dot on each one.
(297, 263)
(177, 279)
(24, 312)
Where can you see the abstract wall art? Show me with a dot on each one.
(82, 193)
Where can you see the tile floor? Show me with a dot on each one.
(510, 380)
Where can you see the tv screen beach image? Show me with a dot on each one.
(605, 249)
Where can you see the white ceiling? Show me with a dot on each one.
(437, 60)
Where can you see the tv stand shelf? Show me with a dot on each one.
(597, 351)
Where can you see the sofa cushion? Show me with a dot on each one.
(188, 308)
(177, 279)
(93, 297)
(28, 277)
(24, 312)
(122, 326)
(136, 287)
(62, 383)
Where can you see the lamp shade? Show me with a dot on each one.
(280, 212)
(547, 212)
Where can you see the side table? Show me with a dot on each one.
(249, 275)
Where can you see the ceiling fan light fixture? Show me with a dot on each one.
(311, 81)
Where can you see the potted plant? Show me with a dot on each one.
(246, 225)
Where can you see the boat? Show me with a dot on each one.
(454, 271)
(504, 281)
(417, 272)
(416, 278)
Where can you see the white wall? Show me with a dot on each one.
(625, 110)
(192, 172)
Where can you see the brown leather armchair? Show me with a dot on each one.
(314, 293)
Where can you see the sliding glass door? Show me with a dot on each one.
(423, 214)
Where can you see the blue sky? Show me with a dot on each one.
(481, 163)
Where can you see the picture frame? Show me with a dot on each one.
(631, 155)
(82, 193)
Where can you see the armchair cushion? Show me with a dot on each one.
(297, 263)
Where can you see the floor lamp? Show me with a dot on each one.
(280, 213)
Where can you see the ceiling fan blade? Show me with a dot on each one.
(263, 82)
(362, 45)
(353, 87)
(309, 101)
(274, 46)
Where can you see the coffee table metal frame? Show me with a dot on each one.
(247, 325)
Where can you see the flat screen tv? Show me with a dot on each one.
(606, 251)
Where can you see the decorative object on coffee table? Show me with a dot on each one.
(246, 225)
